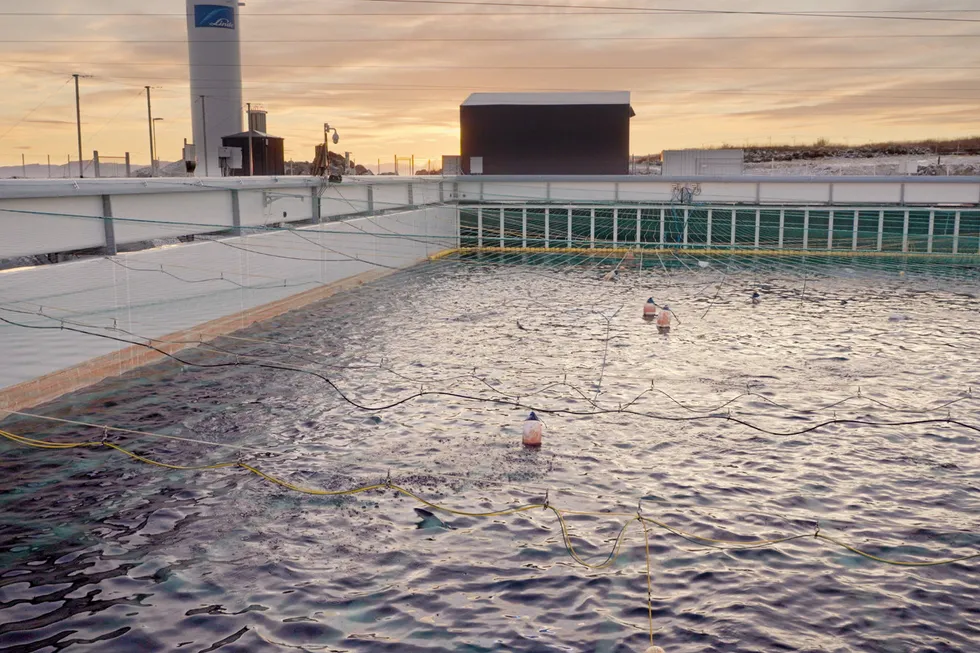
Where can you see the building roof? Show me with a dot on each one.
(255, 134)
(524, 99)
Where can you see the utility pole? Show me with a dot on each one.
(49, 166)
(23, 164)
(78, 122)
(251, 156)
(149, 119)
(204, 128)
(156, 148)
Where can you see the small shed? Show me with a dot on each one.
(269, 159)
(584, 133)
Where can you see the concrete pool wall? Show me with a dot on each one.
(181, 294)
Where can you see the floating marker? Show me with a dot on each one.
(650, 310)
(663, 320)
(756, 297)
(655, 649)
(533, 430)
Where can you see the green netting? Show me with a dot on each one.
(917, 230)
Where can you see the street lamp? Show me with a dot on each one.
(156, 152)
(326, 145)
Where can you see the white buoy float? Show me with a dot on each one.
(663, 320)
(533, 430)
(655, 649)
(650, 310)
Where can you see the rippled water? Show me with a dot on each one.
(99, 552)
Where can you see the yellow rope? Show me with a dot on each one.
(559, 513)
(646, 539)
(695, 250)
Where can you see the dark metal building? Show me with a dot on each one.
(546, 133)
(270, 158)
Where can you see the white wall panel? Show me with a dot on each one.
(343, 199)
(197, 213)
(857, 193)
(265, 207)
(942, 193)
(646, 191)
(24, 234)
(389, 196)
(803, 192)
(159, 291)
(564, 191)
(727, 192)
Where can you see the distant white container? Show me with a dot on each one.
(703, 163)
(451, 165)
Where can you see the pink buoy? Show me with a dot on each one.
(663, 320)
(650, 310)
(533, 430)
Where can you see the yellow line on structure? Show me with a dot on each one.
(558, 512)
(443, 254)
(709, 252)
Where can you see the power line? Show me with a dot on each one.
(503, 67)
(550, 10)
(508, 39)
(868, 15)
(31, 112)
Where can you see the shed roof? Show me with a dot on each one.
(573, 98)
(255, 134)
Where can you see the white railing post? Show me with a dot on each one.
(524, 228)
(547, 227)
(830, 231)
(806, 228)
(592, 228)
(569, 236)
(854, 239)
(932, 226)
(956, 233)
(639, 224)
(905, 232)
(615, 227)
(733, 227)
(686, 214)
(881, 227)
(501, 227)
(782, 227)
(663, 216)
(758, 224)
(479, 226)
(707, 240)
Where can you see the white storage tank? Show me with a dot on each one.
(702, 163)
(214, 46)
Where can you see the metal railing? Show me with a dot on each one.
(932, 230)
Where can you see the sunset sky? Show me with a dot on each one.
(391, 75)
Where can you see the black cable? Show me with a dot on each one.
(884, 15)
(501, 402)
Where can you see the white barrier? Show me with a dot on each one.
(50, 216)
(742, 190)
(160, 291)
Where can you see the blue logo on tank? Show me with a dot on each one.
(214, 16)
